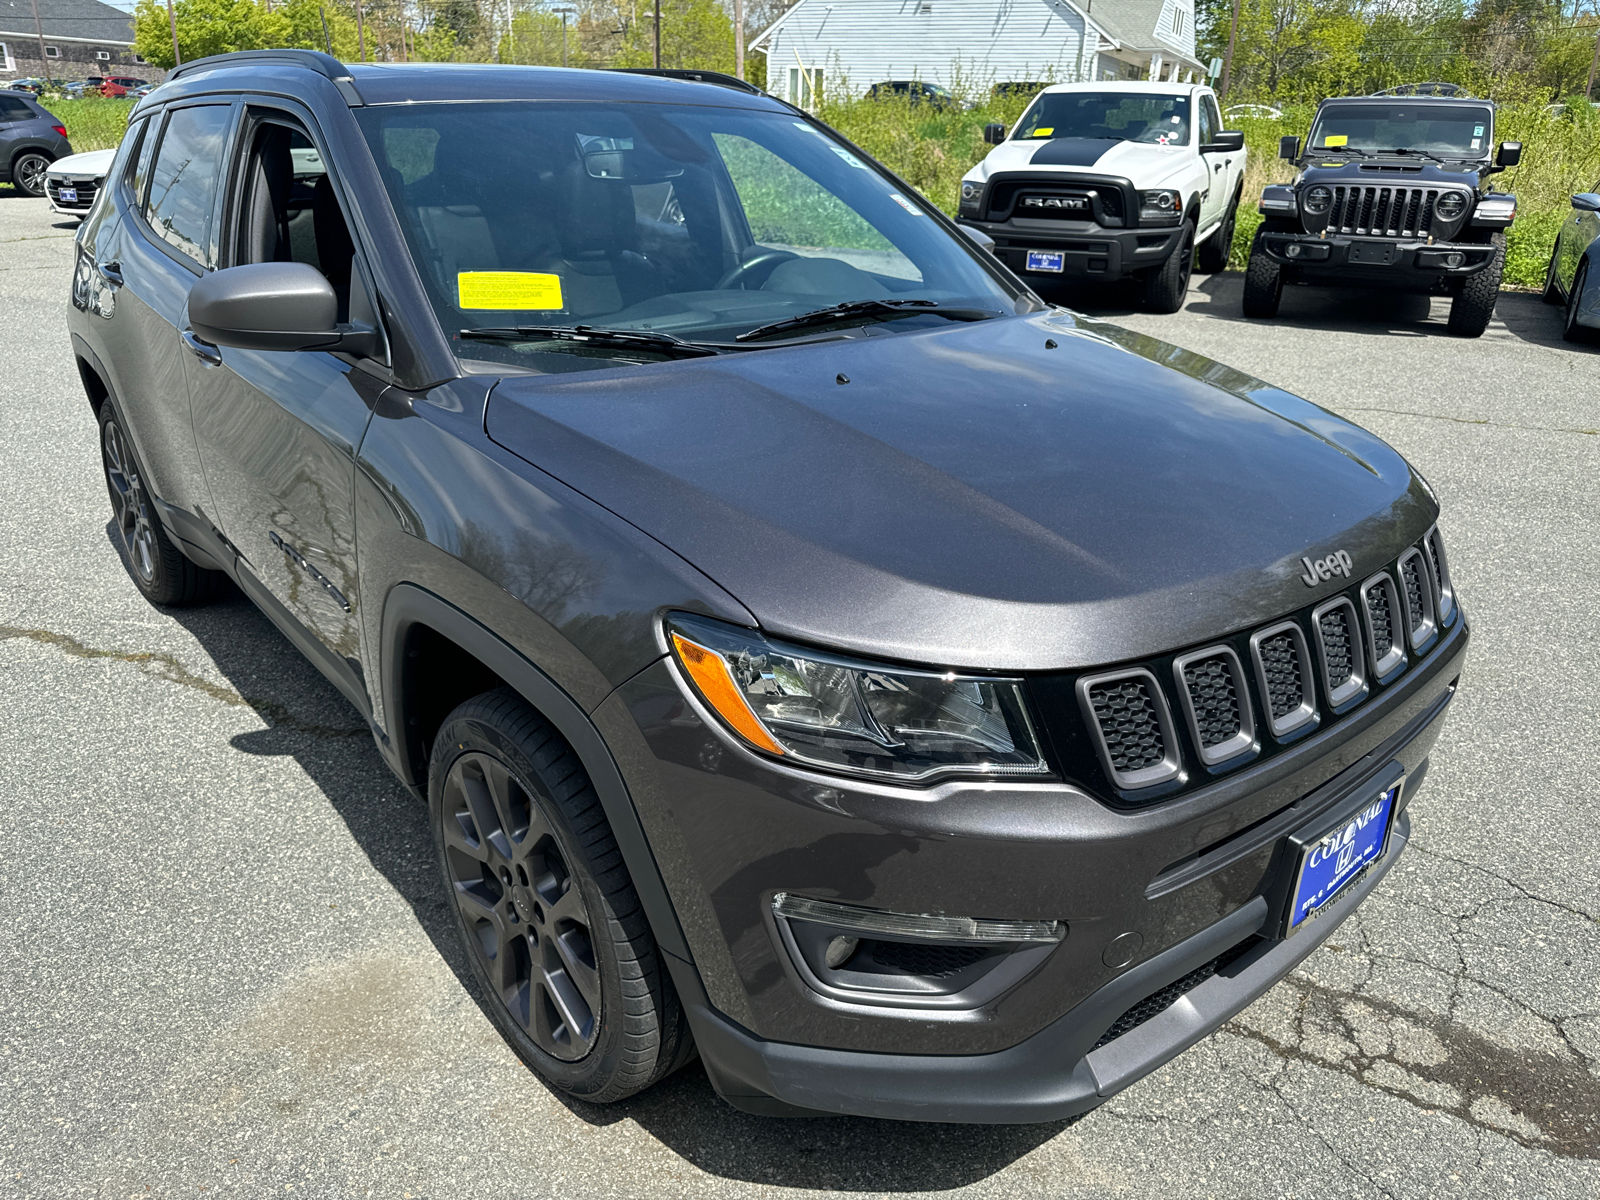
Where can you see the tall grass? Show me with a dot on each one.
(92, 124)
(934, 149)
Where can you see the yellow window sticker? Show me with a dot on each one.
(1044, 131)
(508, 290)
(1335, 139)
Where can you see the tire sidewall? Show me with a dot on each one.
(1571, 330)
(16, 172)
(469, 734)
(159, 587)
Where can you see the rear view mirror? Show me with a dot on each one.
(1510, 154)
(1227, 142)
(273, 306)
(1289, 147)
(994, 133)
(618, 158)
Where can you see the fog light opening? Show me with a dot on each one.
(1293, 250)
(1454, 260)
(839, 951)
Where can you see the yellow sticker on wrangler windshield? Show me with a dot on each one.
(1335, 139)
(1044, 131)
(508, 290)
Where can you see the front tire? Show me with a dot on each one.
(1218, 247)
(1473, 305)
(1263, 284)
(1552, 281)
(27, 172)
(1167, 286)
(158, 568)
(549, 918)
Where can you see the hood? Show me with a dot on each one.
(1138, 161)
(1394, 172)
(90, 162)
(972, 498)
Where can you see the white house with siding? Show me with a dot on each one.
(821, 44)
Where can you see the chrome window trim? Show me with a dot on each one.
(1240, 742)
(1424, 633)
(1392, 663)
(1306, 714)
(1352, 690)
(1445, 598)
(1170, 764)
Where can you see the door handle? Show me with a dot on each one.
(111, 272)
(204, 351)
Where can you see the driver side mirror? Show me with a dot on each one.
(1227, 142)
(1289, 147)
(1510, 154)
(994, 133)
(1586, 202)
(274, 306)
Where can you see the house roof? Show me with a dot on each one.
(1133, 23)
(79, 20)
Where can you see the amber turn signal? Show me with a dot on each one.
(709, 671)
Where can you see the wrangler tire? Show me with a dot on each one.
(1473, 305)
(1263, 284)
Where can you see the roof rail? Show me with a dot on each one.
(713, 77)
(312, 60)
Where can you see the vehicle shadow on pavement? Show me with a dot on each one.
(307, 719)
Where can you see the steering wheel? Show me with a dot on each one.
(767, 258)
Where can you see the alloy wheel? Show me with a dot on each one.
(521, 905)
(129, 504)
(29, 173)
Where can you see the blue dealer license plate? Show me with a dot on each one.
(1339, 857)
(69, 195)
(1045, 260)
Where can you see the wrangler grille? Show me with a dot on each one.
(1383, 211)
(1216, 705)
(1286, 690)
(1128, 722)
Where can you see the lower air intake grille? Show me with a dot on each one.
(1377, 599)
(1216, 707)
(1286, 690)
(934, 962)
(1336, 647)
(1157, 1003)
(1128, 721)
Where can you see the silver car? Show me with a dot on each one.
(73, 182)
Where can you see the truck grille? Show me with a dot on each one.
(1008, 196)
(1383, 211)
(1307, 671)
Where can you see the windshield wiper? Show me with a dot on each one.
(1338, 150)
(613, 339)
(1420, 154)
(882, 310)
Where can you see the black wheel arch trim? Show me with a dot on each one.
(408, 605)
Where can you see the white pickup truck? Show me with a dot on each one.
(1102, 181)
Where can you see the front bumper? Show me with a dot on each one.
(85, 191)
(1382, 259)
(1088, 250)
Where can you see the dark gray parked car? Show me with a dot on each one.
(30, 140)
(814, 650)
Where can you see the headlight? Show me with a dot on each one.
(1318, 199)
(971, 193)
(1451, 205)
(1160, 207)
(848, 715)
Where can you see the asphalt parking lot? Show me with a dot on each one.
(227, 969)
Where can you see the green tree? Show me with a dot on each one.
(207, 27)
(694, 34)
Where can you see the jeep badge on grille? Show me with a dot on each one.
(1337, 563)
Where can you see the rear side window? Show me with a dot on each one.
(147, 154)
(12, 109)
(183, 181)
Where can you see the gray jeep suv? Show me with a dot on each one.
(815, 651)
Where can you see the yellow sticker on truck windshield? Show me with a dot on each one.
(1044, 131)
(508, 290)
(1335, 139)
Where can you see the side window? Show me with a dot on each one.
(288, 209)
(12, 109)
(1208, 127)
(1210, 103)
(183, 182)
(147, 154)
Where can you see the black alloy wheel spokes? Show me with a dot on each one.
(522, 907)
(129, 504)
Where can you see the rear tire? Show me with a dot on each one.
(158, 568)
(1218, 248)
(1552, 283)
(549, 918)
(1571, 331)
(1473, 306)
(1167, 286)
(27, 172)
(1263, 284)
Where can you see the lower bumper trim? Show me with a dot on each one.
(1055, 1074)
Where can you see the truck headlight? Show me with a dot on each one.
(971, 194)
(1163, 206)
(1451, 205)
(1318, 200)
(849, 715)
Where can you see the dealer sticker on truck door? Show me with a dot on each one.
(1045, 260)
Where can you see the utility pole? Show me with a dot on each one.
(361, 33)
(564, 12)
(1588, 90)
(657, 34)
(1227, 62)
(43, 58)
(738, 38)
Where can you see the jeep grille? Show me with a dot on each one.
(1383, 211)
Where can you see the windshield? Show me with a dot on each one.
(696, 222)
(1120, 116)
(1448, 131)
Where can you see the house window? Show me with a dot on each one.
(925, 6)
(1177, 22)
(7, 63)
(805, 87)
(141, 59)
(102, 56)
(52, 51)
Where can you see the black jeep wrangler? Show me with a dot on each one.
(1393, 192)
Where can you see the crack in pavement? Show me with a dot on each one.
(166, 667)
(1510, 883)
(1404, 412)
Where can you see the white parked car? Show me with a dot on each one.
(1238, 112)
(1106, 181)
(73, 182)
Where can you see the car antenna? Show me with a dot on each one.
(327, 39)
